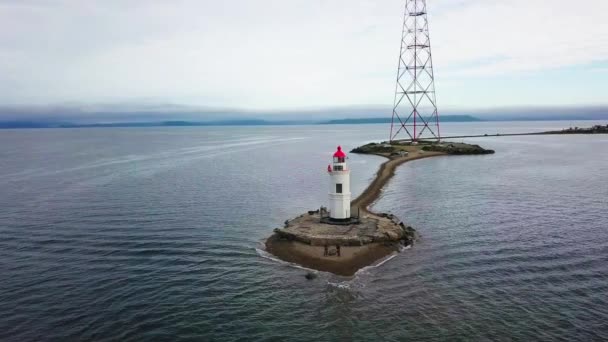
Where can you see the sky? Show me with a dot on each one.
(297, 54)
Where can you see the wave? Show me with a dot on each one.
(356, 281)
(404, 248)
(169, 157)
(269, 256)
(376, 265)
(345, 285)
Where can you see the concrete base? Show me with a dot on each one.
(313, 230)
(345, 222)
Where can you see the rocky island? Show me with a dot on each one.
(349, 236)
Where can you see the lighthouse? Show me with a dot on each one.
(339, 187)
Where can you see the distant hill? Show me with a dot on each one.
(244, 122)
(236, 122)
(172, 115)
(26, 124)
(148, 120)
(543, 113)
(445, 118)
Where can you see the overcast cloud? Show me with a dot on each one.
(263, 54)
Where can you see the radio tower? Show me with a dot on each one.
(415, 106)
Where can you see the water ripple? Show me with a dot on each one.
(153, 237)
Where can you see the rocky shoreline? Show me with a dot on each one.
(377, 228)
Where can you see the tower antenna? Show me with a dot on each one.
(415, 105)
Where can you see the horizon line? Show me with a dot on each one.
(143, 106)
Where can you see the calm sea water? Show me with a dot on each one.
(151, 234)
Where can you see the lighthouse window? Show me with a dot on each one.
(338, 168)
(338, 159)
(338, 188)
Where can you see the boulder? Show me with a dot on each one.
(310, 275)
(392, 235)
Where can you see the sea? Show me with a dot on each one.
(155, 234)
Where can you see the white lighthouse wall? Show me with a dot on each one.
(339, 204)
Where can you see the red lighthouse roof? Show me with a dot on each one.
(339, 153)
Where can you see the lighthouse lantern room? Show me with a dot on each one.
(339, 187)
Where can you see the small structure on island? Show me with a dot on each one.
(339, 189)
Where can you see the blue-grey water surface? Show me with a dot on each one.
(151, 234)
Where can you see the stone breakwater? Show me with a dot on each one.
(399, 153)
(306, 239)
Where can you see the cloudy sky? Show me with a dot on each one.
(286, 54)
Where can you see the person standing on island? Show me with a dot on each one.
(338, 249)
(326, 252)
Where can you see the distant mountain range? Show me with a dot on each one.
(164, 116)
(235, 122)
(446, 118)
(245, 122)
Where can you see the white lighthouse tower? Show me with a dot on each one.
(339, 187)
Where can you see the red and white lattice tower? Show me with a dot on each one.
(415, 114)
